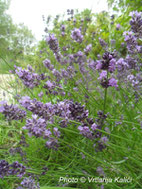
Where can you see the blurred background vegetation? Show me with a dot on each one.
(17, 43)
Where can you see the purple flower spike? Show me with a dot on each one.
(37, 127)
(76, 35)
(118, 26)
(53, 43)
(113, 82)
(12, 112)
(28, 77)
(94, 126)
(47, 64)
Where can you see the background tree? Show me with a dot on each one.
(5, 27)
(16, 40)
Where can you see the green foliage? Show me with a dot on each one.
(125, 4)
(5, 26)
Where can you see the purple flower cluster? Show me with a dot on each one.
(32, 105)
(57, 74)
(29, 183)
(52, 143)
(112, 82)
(107, 64)
(49, 85)
(85, 131)
(67, 110)
(102, 42)
(62, 109)
(53, 88)
(77, 111)
(91, 64)
(76, 35)
(28, 77)
(63, 27)
(122, 65)
(63, 30)
(12, 112)
(37, 127)
(89, 129)
(132, 37)
(53, 43)
(131, 64)
(4, 168)
(118, 27)
(136, 23)
(47, 64)
(88, 48)
(131, 41)
(46, 111)
(15, 168)
(135, 80)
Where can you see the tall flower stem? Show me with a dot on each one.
(105, 99)
(105, 96)
(106, 89)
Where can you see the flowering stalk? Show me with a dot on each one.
(105, 96)
(105, 91)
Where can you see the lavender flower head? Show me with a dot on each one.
(63, 27)
(4, 168)
(76, 35)
(131, 41)
(88, 48)
(107, 63)
(41, 94)
(102, 42)
(53, 43)
(12, 112)
(47, 64)
(52, 143)
(15, 168)
(29, 183)
(122, 65)
(28, 77)
(46, 111)
(94, 126)
(113, 82)
(136, 23)
(117, 26)
(85, 131)
(103, 75)
(104, 140)
(37, 127)
(107, 82)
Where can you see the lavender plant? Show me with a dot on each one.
(78, 112)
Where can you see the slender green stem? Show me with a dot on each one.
(105, 99)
